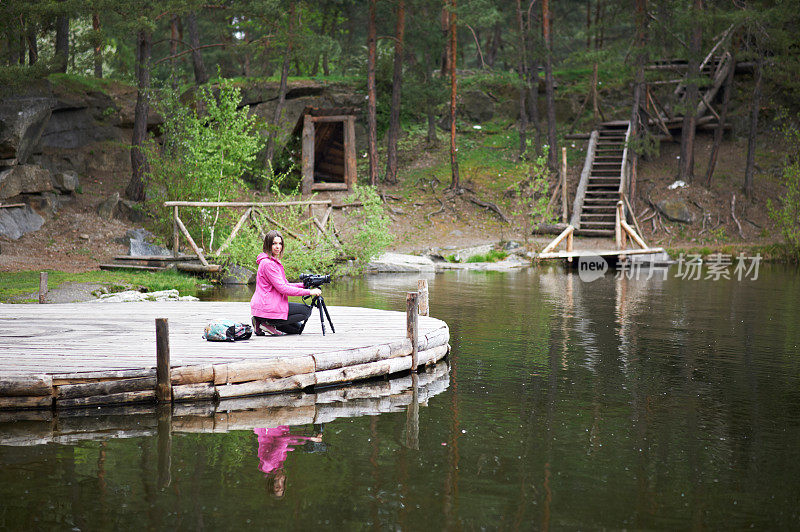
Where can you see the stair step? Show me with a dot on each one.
(598, 217)
(597, 225)
(600, 208)
(594, 232)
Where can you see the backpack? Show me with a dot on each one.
(227, 331)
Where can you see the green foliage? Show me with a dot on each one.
(367, 228)
(532, 193)
(364, 235)
(786, 212)
(492, 256)
(205, 152)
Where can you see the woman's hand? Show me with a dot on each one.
(315, 292)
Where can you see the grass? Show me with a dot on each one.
(15, 284)
(492, 256)
(77, 82)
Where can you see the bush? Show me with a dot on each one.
(205, 152)
(787, 212)
(366, 230)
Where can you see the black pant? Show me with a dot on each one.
(298, 313)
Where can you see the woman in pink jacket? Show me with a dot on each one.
(270, 307)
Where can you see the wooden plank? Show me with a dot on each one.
(37, 385)
(192, 374)
(145, 396)
(68, 391)
(295, 382)
(235, 372)
(22, 402)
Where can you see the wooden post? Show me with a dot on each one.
(175, 242)
(422, 289)
(42, 287)
(617, 226)
(308, 154)
(412, 326)
(569, 246)
(350, 151)
(564, 212)
(163, 382)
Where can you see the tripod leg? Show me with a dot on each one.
(320, 304)
(325, 308)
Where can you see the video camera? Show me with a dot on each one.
(314, 280)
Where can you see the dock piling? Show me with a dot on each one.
(422, 289)
(42, 287)
(163, 382)
(412, 321)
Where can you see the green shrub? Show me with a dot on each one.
(205, 152)
(366, 229)
(492, 256)
(786, 212)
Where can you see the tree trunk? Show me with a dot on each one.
(638, 87)
(552, 156)
(723, 116)
(445, 27)
(282, 89)
(135, 189)
(62, 43)
(372, 98)
(686, 163)
(751, 137)
(533, 82)
(200, 74)
(33, 49)
(173, 51)
(522, 63)
(454, 183)
(397, 81)
(98, 47)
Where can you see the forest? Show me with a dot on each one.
(639, 61)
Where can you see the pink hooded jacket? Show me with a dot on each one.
(271, 298)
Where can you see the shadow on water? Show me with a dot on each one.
(646, 403)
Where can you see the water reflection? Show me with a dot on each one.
(654, 403)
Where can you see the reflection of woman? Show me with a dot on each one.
(274, 445)
(270, 307)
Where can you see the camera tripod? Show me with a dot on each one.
(319, 302)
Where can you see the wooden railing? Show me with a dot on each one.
(251, 209)
(580, 193)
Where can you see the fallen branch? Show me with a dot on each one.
(733, 215)
(441, 208)
(492, 207)
(751, 222)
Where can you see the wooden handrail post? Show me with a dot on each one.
(163, 382)
(422, 289)
(175, 243)
(42, 287)
(564, 212)
(412, 326)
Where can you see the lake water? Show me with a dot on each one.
(660, 403)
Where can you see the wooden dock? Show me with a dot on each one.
(611, 255)
(87, 354)
(366, 398)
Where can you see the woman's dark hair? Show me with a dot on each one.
(269, 239)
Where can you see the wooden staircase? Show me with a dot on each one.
(599, 191)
